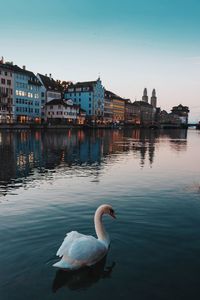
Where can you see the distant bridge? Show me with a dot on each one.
(168, 126)
(197, 125)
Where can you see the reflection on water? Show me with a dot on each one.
(53, 182)
(83, 278)
(26, 156)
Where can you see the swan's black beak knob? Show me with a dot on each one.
(112, 213)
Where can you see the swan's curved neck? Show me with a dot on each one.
(99, 227)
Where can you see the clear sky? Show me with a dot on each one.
(132, 44)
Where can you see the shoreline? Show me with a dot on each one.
(50, 127)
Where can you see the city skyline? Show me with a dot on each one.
(131, 45)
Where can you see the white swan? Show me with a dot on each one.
(79, 250)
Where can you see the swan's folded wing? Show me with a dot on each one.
(87, 250)
(68, 240)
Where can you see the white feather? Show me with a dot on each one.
(78, 250)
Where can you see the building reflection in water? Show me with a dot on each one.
(26, 155)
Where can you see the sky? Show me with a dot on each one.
(130, 44)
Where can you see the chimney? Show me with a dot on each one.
(50, 75)
(2, 60)
(24, 67)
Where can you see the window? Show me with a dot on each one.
(8, 82)
(3, 81)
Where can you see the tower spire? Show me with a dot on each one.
(154, 98)
(145, 96)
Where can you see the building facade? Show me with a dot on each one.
(108, 108)
(20, 94)
(61, 111)
(143, 113)
(50, 89)
(182, 113)
(116, 107)
(6, 93)
(27, 96)
(90, 96)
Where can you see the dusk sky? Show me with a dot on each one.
(131, 44)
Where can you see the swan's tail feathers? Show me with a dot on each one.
(63, 265)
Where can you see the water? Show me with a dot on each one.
(51, 183)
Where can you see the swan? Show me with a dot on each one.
(79, 250)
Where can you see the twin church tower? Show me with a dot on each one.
(153, 97)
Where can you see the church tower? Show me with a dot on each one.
(145, 97)
(154, 98)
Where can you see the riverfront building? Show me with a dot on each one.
(61, 111)
(50, 89)
(114, 109)
(27, 96)
(20, 94)
(90, 96)
(182, 113)
(6, 93)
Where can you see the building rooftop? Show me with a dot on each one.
(50, 83)
(61, 102)
(180, 107)
(111, 95)
(141, 103)
(16, 69)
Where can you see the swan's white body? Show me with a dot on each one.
(79, 250)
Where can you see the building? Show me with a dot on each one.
(27, 96)
(116, 108)
(20, 94)
(130, 113)
(90, 96)
(182, 113)
(168, 119)
(154, 99)
(50, 90)
(62, 111)
(108, 107)
(6, 93)
(145, 96)
(143, 113)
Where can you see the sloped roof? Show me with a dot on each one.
(17, 69)
(50, 83)
(61, 102)
(111, 95)
(88, 84)
(142, 103)
(180, 107)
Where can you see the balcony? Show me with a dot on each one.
(3, 94)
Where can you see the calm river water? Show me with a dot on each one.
(52, 183)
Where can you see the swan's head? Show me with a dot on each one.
(107, 209)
